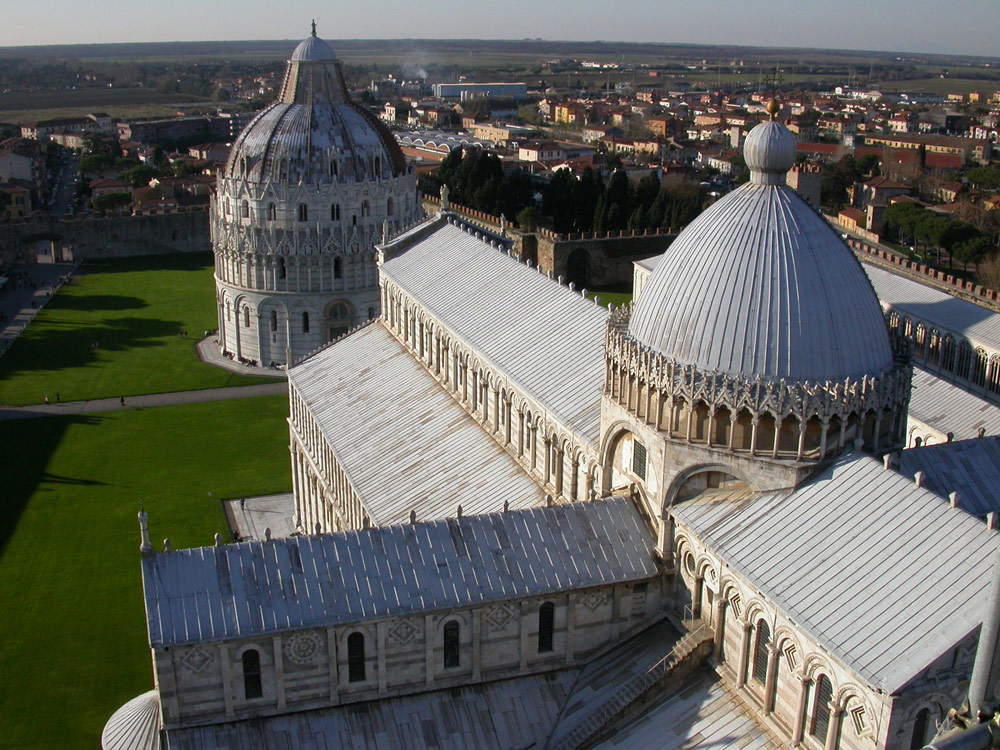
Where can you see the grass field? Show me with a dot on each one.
(73, 643)
(134, 309)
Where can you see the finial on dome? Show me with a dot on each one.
(314, 27)
(773, 108)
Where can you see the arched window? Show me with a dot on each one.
(821, 708)
(389, 207)
(305, 322)
(354, 220)
(281, 268)
(760, 651)
(251, 674)
(378, 167)
(334, 171)
(246, 317)
(244, 210)
(272, 212)
(365, 209)
(452, 653)
(356, 657)
(338, 268)
(274, 320)
(546, 625)
(303, 212)
(920, 725)
(371, 313)
(334, 212)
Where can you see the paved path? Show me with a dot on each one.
(142, 402)
(208, 352)
(28, 290)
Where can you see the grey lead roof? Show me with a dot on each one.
(881, 572)
(401, 439)
(543, 337)
(978, 324)
(946, 408)
(253, 588)
(969, 467)
(759, 284)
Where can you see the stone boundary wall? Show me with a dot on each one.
(946, 282)
(89, 237)
(589, 259)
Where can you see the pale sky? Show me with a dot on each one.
(949, 26)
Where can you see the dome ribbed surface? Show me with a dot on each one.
(134, 726)
(760, 285)
(313, 49)
(314, 133)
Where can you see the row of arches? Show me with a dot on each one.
(561, 461)
(941, 350)
(452, 639)
(757, 432)
(265, 330)
(326, 272)
(794, 684)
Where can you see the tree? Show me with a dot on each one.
(527, 219)
(139, 176)
(111, 201)
(984, 178)
(972, 250)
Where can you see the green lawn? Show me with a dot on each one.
(134, 310)
(72, 640)
(617, 295)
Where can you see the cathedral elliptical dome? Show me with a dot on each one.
(758, 345)
(311, 185)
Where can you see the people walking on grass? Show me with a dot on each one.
(57, 397)
(123, 401)
(46, 398)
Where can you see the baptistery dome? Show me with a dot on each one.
(314, 133)
(760, 285)
(311, 184)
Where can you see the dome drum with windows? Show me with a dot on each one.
(311, 184)
(759, 332)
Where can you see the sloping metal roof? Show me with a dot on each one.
(969, 467)
(402, 440)
(979, 325)
(949, 408)
(759, 284)
(543, 337)
(879, 571)
(252, 588)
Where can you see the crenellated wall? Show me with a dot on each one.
(105, 236)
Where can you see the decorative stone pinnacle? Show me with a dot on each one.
(145, 546)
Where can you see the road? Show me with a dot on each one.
(141, 402)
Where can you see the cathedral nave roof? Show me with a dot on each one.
(969, 467)
(544, 337)
(400, 437)
(881, 572)
(252, 588)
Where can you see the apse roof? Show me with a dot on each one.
(881, 572)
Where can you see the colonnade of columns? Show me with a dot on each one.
(561, 462)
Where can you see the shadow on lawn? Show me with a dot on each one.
(26, 446)
(52, 348)
(95, 302)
